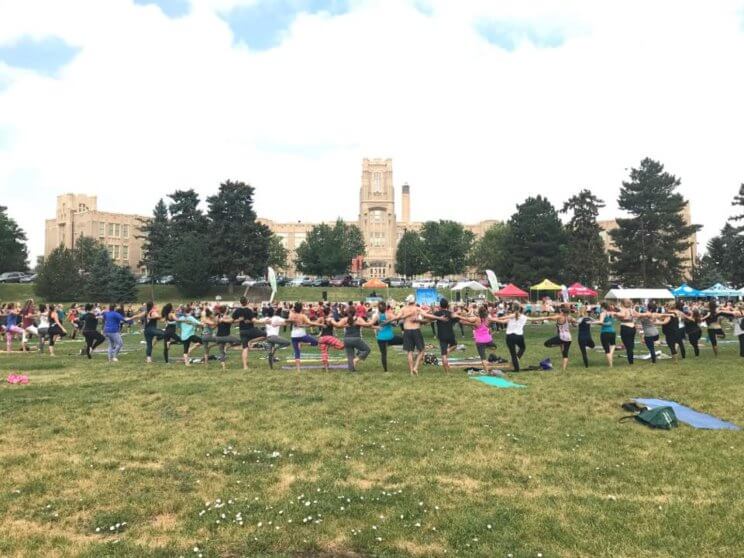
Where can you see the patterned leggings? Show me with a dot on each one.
(326, 342)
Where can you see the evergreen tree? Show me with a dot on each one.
(98, 282)
(649, 245)
(123, 285)
(739, 203)
(706, 273)
(86, 252)
(329, 250)
(58, 280)
(536, 242)
(190, 271)
(447, 245)
(586, 258)
(491, 251)
(156, 233)
(278, 254)
(410, 255)
(185, 215)
(13, 251)
(237, 241)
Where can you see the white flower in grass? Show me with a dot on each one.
(488, 526)
(98, 529)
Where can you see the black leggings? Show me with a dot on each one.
(608, 340)
(558, 342)
(92, 340)
(383, 345)
(627, 334)
(54, 330)
(513, 341)
(150, 334)
(714, 334)
(169, 335)
(694, 337)
(585, 342)
(187, 343)
(673, 342)
(741, 345)
(650, 345)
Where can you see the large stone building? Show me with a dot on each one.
(78, 216)
(378, 220)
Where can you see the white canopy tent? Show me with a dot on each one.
(472, 285)
(639, 294)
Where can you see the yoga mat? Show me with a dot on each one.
(498, 382)
(317, 367)
(689, 416)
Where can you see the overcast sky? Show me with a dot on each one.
(479, 103)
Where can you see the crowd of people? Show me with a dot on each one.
(340, 327)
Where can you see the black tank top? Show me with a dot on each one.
(352, 331)
(672, 328)
(327, 330)
(584, 328)
(152, 322)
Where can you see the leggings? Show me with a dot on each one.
(12, 330)
(115, 344)
(187, 343)
(169, 335)
(92, 340)
(650, 345)
(328, 342)
(741, 345)
(608, 340)
(224, 340)
(558, 342)
(627, 334)
(383, 345)
(297, 341)
(274, 341)
(673, 342)
(714, 334)
(29, 330)
(481, 348)
(355, 347)
(54, 330)
(150, 334)
(585, 342)
(694, 337)
(513, 341)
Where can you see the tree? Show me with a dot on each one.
(447, 245)
(739, 202)
(13, 251)
(123, 285)
(58, 278)
(156, 233)
(706, 273)
(329, 250)
(410, 255)
(649, 245)
(586, 258)
(725, 256)
(86, 252)
(278, 254)
(491, 251)
(185, 215)
(536, 242)
(237, 242)
(98, 281)
(190, 265)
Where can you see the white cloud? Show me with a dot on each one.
(152, 104)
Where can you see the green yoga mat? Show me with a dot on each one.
(498, 382)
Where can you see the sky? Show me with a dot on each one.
(480, 103)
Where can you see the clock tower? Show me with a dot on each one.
(377, 217)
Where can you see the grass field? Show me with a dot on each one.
(196, 461)
(169, 293)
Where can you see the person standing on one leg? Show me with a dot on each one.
(607, 335)
(188, 336)
(356, 348)
(299, 336)
(274, 324)
(413, 340)
(563, 322)
(90, 330)
(248, 331)
(327, 339)
(515, 323)
(445, 331)
(383, 323)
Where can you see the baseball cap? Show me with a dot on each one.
(410, 299)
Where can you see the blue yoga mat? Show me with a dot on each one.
(690, 416)
(498, 382)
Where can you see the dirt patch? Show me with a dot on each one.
(416, 549)
(164, 522)
(464, 484)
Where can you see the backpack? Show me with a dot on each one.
(658, 417)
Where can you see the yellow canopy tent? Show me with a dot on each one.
(546, 285)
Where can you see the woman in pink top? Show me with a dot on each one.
(482, 333)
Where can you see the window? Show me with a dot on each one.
(377, 183)
(283, 238)
(125, 252)
(116, 251)
(125, 231)
(110, 229)
(101, 230)
(377, 215)
(111, 250)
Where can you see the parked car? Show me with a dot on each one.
(355, 283)
(297, 281)
(306, 282)
(281, 280)
(11, 277)
(423, 284)
(397, 282)
(223, 280)
(321, 282)
(29, 278)
(166, 280)
(251, 283)
(340, 281)
(248, 281)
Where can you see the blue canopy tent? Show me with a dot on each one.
(428, 297)
(720, 291)
(686, 291)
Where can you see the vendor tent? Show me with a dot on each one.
(511, 291)
(639, 294)
(577, 289)
(427, 297)
(719, 290)
(546, 285)
(686, 291)
(472, 285)
(374, 283)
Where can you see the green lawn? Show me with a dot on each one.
(275, 463)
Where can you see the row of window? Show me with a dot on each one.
(114, 230)
(118, 252)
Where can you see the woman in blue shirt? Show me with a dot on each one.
(385, 333)
(112, 321)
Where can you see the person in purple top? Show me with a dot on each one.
(112, 321)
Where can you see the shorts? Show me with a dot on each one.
(413, 340)
(608, 341)
(248, 335)
(446, 344)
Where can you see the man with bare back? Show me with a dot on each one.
(413, 340)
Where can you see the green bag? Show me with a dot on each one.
(658, 417)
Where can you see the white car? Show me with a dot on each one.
(248, 281)
(444, 284)
(297, 281)
(424, 284)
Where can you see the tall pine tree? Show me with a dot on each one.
(649, 245)
(123, 286)
(156, 248)
(98, 282)
(13, 251)
(586, 258)
(536, 242)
